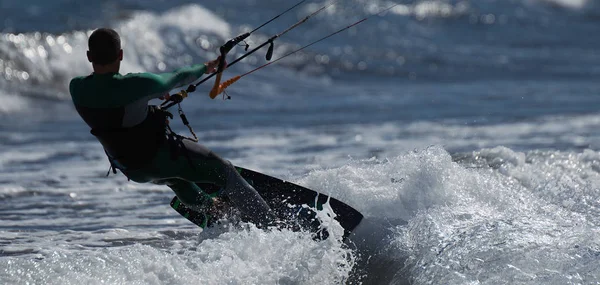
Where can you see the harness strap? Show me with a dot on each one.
(113, 166)
(176, 144)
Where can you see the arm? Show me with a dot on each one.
(158, 85)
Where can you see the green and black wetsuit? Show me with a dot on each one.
(133, 135)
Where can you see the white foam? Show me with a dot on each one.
(501, 222)
(152, 40)
(432, 9)
(249, 256)
(573, 4)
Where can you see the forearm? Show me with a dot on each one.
(183, 76)
(152, 86)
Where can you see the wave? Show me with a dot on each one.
(521, 222)
(44, 63)
(497, 216)
(431, 217)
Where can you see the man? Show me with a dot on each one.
(135, 137)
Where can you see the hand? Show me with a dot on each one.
(165, 97)
(177, 97)
(211, 66)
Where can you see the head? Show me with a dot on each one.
(105, 51)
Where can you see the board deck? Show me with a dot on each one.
(286, 200)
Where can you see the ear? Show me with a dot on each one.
(121, 55)
(89, 56)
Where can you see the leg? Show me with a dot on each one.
(189, 193)
(192, 197)
(196, 163)
(246, 199)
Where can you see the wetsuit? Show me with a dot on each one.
(135, 139)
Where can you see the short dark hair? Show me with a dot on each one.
(104, 45)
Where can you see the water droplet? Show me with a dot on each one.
(412, 75)
(29, 53)
(50, 40)
(42, 51)
(361, 65)
(400, 60)
(67, 48)
(488, 19)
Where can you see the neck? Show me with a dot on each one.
(109, 68)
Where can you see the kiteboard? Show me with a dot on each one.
(293, 204)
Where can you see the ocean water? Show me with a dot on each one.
(465, 131)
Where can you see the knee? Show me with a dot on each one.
(226, 163)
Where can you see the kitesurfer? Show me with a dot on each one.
(137, 140)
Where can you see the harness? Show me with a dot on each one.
(135, 147)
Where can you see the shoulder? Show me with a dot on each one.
(76, 84)
(75, 81)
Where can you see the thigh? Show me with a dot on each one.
(192, 162)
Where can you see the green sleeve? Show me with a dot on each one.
(156, 85)
(115, 90)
